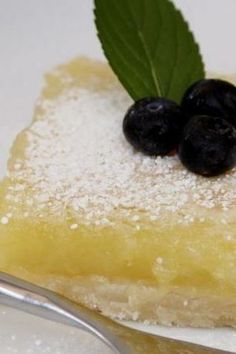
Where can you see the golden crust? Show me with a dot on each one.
(143, 302)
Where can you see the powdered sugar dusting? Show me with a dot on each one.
(77, 159)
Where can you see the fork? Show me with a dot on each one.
(33, 299)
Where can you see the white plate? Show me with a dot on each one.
(35, 36)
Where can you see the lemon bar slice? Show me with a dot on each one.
(83, 214)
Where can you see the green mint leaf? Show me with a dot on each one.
(149, 46)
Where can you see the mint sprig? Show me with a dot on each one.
(149, 46)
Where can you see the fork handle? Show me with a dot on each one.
(35, 300)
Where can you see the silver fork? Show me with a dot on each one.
(33, 299)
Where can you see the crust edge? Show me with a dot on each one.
(142, 302)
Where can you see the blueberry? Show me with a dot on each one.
(208, 145)
(154, 125)
(211, 97)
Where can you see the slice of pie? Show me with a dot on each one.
(135, 237)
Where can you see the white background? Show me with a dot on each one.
(35, 36)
